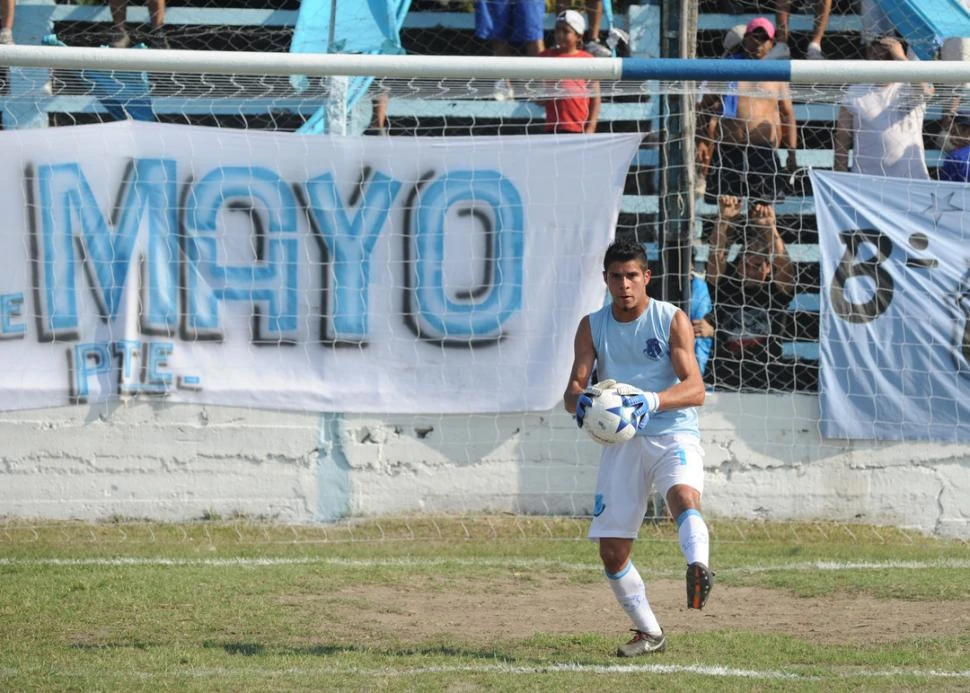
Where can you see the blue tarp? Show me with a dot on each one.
(925, 24)
(360, 26)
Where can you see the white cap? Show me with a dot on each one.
(574, 20)
(734, 36)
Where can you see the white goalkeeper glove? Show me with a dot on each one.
(586, 399)
(644, 403)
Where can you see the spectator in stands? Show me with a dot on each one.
(707, 137)
(746, 127)
(577, 111)
(883, 122)
(702, 319)
(781, 50)
(594, 15)
(378, 120)
(876, 23)
(510, 22)
(956, 165)
(814, 52)
(954, 48)
(6, 27)
(154, 37)
(750, 300)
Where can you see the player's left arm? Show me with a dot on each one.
(689, 392)
(584, 359)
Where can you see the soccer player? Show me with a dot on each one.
(647, 346)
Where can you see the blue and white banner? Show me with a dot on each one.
(895, 336)
(274, 270)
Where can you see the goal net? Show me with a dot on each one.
(290, 294)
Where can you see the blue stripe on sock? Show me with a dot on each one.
(623, 571)
(682, 518)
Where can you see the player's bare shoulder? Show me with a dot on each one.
(583, 342)
(680, 327)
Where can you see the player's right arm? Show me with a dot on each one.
(584, 358)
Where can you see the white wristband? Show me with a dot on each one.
(653, 401)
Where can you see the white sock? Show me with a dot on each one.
(631, 593)
(695, 542)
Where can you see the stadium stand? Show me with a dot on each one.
(816, 126)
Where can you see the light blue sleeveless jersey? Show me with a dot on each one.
(638, 353)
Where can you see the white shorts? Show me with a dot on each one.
(628, 471)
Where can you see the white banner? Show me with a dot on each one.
(895, 339)
(374, 274)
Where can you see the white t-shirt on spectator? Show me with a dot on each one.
(887, 122)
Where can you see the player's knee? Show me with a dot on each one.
(681, 498)
(614, 556)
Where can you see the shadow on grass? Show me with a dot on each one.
(249, 649)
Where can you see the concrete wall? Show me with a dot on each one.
(764, 459)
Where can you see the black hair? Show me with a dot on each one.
(878, 40)
(624, 251)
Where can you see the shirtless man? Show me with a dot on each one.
(739, 132)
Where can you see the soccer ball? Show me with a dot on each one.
(608, 421)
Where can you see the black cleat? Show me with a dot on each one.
(700, 580)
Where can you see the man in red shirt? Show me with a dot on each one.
(576, 108)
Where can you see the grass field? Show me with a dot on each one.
(471, 604)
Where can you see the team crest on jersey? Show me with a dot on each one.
(598, 505)
(654, 349)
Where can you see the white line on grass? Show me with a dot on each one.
(698, 669)
(469, 562)
(713, 671)
(703, 670)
